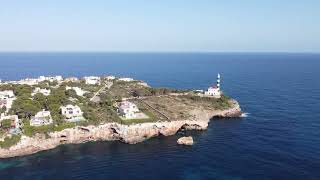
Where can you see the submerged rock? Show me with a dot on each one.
(185, 141)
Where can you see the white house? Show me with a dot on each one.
(78, 90)
(35, 81)
(6, 103)
(128, 109)
(72, 113)
(92, 80)
(110, 78)
(41, 118)
(71, 79)
(50, 78)
(126, 79)
(45, 92)
(6, 99)
(214, 90)
(28, 81)
(3, 102)
(6, 94)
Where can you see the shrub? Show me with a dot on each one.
(6, 124)
(10, 141)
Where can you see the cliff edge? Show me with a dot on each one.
(131, 134)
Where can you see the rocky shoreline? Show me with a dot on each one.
(130, 134)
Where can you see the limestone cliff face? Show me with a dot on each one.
(130, 134)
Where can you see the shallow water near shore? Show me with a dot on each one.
(279, 138)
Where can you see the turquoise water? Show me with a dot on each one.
(280, 138)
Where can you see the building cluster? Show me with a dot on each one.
(51, 78)
(6, 100)
(70, 112)
(35, 81)
(93, 80)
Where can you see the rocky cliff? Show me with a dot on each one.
(130, 134)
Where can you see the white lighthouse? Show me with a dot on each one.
(218, 81)
(215, 90)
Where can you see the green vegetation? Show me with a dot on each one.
(136, 121)
(32, 130)
(10, 141)
(2, 132)
(5, 87)
(71, 93)
(22, 90)
(25, 107)
(6, 124)
(218, 103)
(103, 111)
(3, 109)
(122, 89)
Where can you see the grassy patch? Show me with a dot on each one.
(32, 130)
(217, 103)
(10, 141)
(136, 121)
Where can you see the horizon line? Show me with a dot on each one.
(173, 52)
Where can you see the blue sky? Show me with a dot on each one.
(160, 25)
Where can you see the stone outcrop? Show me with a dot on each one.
(185, 141)
(130, 134)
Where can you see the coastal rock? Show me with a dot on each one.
(185, 141)
(230, 113)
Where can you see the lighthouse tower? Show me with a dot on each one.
(218, 82)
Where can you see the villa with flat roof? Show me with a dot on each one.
(92, 80)
(72, 113)
(50, 78)
(45, 91)
(128, 110)
(126, 79)
(41, 118)
(6, 99)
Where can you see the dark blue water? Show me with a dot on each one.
(280, 139)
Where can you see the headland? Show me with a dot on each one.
(42, 113)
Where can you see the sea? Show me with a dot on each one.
(278, 138)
